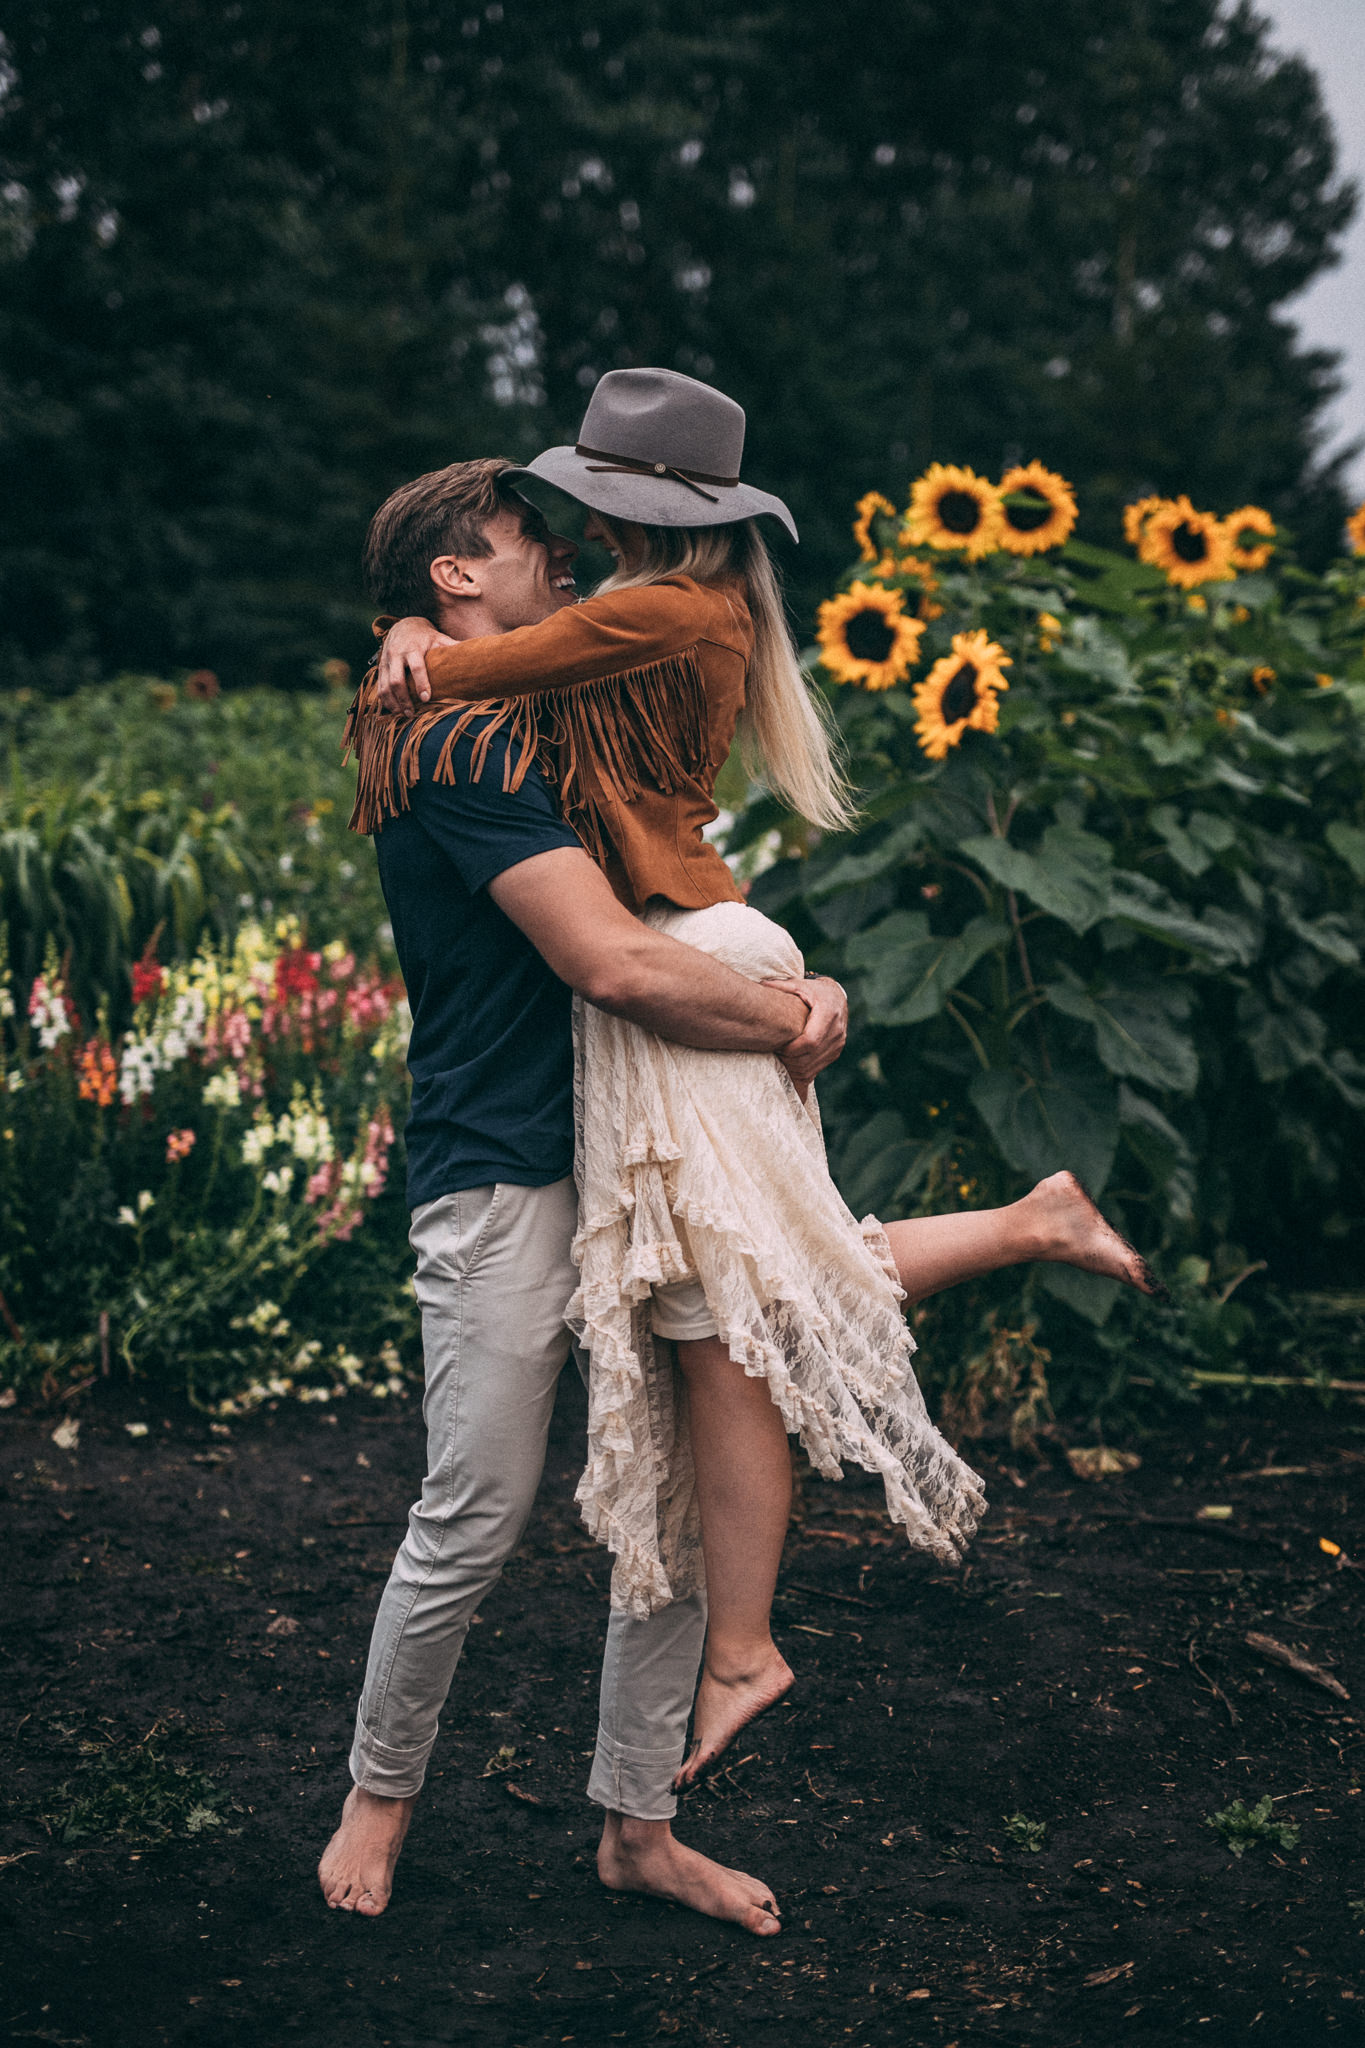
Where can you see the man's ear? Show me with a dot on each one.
(453, 578)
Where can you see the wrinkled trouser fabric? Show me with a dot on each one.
(493, 1277)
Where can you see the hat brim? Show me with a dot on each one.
(650, 500)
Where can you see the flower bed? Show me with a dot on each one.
(205, 1196)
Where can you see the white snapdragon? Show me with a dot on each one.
(278, 1181)
(258, 1141)
(138, 1068)
(223, 1091)
(47, 1012)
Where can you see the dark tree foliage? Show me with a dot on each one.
(260, 263)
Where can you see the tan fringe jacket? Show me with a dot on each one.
(627, 703)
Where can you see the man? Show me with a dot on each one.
(498, 915)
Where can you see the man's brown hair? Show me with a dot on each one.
(442, 513)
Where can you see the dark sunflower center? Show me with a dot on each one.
(959, 699)
(959, 511)
(1191, 543)
(869, 637)
(1027, 513)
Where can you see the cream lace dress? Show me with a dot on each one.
(707, 1166)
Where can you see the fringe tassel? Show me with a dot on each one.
(645, 728)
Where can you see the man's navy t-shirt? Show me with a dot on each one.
(491, 1054)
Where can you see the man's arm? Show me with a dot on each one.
(564, 904)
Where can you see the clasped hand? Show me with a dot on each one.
(825, 1033)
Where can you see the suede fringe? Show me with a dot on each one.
(645, 728)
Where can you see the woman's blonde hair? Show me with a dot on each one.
(786, 739)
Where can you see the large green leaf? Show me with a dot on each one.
(1280, 1040)
(1137, 1029)
(909, 972)
(1089, 1294)
(1224, 938)
(1348, 842)
(1068, 877)
(1041, 1126)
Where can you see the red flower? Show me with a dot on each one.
(148, 979)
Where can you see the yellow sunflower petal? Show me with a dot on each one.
(869, 505)
(1251, 519)
(960, 692)
(1355, 527)
(1190, 547)
(1136, 515)
(955, 508)
(1046, 520)
(865, 637)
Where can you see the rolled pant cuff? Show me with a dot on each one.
(392, 1773)
(636, 1782)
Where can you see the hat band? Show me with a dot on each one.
(634, 465)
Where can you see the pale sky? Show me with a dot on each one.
(1331, 313)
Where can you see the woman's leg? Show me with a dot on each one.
(1056, 1222)
(743, 1468)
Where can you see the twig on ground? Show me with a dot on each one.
(1214, 1687)
(1280, 1653)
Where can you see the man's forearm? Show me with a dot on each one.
(566, 908)
(684, 994)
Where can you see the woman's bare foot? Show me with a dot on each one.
(356, 1871)
(727, 1700)
(642, 1856)
(1072, 1232)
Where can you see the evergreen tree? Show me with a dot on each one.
(259, 264)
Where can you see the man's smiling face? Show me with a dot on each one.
(529, 574)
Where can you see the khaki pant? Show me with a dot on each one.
(493, 1277)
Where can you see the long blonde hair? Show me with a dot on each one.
(786, 738)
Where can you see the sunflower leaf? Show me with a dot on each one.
(1137, 1033)
(1068, 876)
(1042, 1126)
(910, 972)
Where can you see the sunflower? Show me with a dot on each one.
(868, 507)
(865, 637)
(1239, 526)
(1136, 515)
(961, 690)
(1044, 511)
(1192, 547)
(954, 508)
(1355, 528)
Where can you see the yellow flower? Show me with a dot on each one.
(1240, 615)
(865, 637)
(1248, 553)
(1324, 681)
(959, 691)
(1049, 632)
(1135, 517)
(1355, 528)
(1261, 679)
(1191, 547)
(1044, 512)
(1068, 718)
(1195, 603)
(955, 508)
(1224, 716)
(868, 507)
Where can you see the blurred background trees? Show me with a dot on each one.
(259, 264)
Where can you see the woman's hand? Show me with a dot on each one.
(404, 686)
(822, 1041)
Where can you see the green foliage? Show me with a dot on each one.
(135, 1794)
(1025, 1833)
(260, 264)
(135, 815)
(1123, 935)
(1242, 1827)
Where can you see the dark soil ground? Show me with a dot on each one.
(1088, 1672)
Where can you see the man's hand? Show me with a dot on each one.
(823, 1039)
(404, 686)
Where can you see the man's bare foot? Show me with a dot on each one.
(1072, 1232)
(356, 1871)
(642, 1856)
(726, 1702)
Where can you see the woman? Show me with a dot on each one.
(708, 1219)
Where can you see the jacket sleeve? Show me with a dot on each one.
(603, 636)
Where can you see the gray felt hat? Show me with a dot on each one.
(660, 449)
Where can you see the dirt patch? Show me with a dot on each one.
(205, 1601)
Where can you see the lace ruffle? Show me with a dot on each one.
(804, 1296)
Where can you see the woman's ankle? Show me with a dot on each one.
(741, 1660)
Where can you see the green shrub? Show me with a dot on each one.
(1119, 932)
